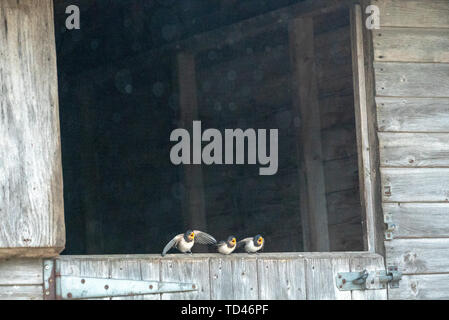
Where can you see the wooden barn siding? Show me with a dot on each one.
(412, 86)
(239, 276)
(21, 279)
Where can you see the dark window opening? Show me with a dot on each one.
(119, 103)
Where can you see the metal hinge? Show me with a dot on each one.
(365, 280)
(390, 226)
(57, 286)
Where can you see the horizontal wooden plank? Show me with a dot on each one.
(411, 45)
(415, 184)
(413, 114)
(21, 272)
(421, 287)
(418, 255)
(30, 292)
(398, 79)
(414, 13)
(419, 220)
(414, 149)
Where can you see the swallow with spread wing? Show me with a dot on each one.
(253, 244)
(184, 242)
(228, 246)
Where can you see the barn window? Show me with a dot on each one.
(133, 74)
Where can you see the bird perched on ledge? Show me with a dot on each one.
(228, 246)
(184, 242)
(252, 245)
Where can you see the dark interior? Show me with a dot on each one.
(119, 101)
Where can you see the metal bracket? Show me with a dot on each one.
(391, 227)
(365, 280)
(49, 280)
(57, 286)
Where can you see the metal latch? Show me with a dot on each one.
(390, 226)
(57, 286)
(365, 280)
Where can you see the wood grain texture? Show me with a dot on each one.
(31, 199)
(419, 255)
(415, 184)
(281, 279)
(21, 272)
(193, 271)
(320, 278)
(413, 114)
(414, 149)
(30, 292)
(413, 13)
(238, 276)
(398, 79)
(421, 287)
(363, 83)
(411, 45)
(419, 220)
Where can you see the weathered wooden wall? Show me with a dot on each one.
(412, 96)
(31, 203)
(239, 276)
(21, 279)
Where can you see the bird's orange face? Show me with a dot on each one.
(191, 236)
(260, 240)
(233, 241)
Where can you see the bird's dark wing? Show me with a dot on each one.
(243, 242)
(173, 242)
(203, 238)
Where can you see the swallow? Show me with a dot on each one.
(184, 242)
(252, 245)
(228, 246)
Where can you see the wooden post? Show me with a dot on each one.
(366, 129)
(305, 105)
(31, 199)
(194, 205)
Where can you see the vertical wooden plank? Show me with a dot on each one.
(366, 137)
(126, 269)
(305, 104)
(150, 270)
(190, 270)
(245, 279)
(194, 207)
(221, 274)
(281, 279)
(31, 199)
(370, 264)
(320, 278)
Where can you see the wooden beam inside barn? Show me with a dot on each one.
(305, 104)
(194, 206)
